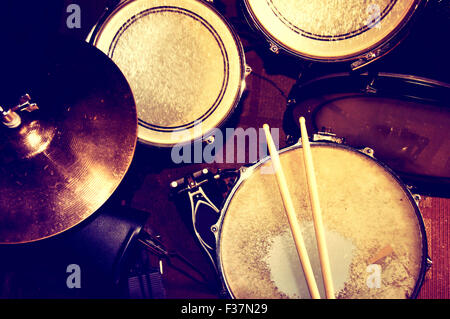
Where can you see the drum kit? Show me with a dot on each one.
(164, 73)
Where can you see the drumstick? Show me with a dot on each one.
(384, 252)
(292, 217)
(317, 212)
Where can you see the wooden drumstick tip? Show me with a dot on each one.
(382, 253)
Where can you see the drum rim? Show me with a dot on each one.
(98, 28)
(383, 47)
(356, 84)
(389, 75)
(247, 171)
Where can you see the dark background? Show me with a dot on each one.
(26, 26)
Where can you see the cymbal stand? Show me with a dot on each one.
(10, 118)
(154, 245)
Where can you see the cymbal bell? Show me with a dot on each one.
(66, 158)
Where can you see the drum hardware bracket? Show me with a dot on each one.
(368, 151)
(10, 118)
(290, 138)
(366, 59)
(210, 139)
(194, 181)
(370, 57)
(327, 136)
(321, 136)
(193, 186)
(214, 229)
(197, 198)
(429, 263)
(248, 70)
(417, 198)
(370, 87)
(274, 48)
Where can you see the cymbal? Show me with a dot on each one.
(65, 159)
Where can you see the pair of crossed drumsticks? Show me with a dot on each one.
(292, 217)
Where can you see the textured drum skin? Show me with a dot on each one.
(183, 61)
(330, 30)
(364, 210)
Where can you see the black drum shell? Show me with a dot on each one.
(393, 133)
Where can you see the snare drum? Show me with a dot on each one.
(332, 31)
(366, 210)
(183, 61)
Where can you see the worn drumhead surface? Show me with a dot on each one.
(364, 210)
(329, 29)
(182, 61)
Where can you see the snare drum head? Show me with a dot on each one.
(183, 62)
(330, 30)
(365, 211)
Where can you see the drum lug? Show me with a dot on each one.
(210, 139)
(248, 70)
(245, 171)
(416, 198)
(327, 136)
(274, 48)
(429, 263)
(366, 59)
(193, 186)
(368, 151)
